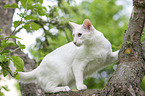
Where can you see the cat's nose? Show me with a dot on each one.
(74, 42)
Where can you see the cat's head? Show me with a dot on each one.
(82, 33)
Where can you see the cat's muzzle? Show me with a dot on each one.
(77, 44)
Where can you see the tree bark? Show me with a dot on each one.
(131, 69)
(6, 15)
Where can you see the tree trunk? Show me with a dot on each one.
(131, 69)
(6, 15)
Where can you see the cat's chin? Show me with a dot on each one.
(78, 45)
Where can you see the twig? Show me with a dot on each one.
(13, 75)
(18, 30)
(15, 50)
(14, 29)
(45, 31)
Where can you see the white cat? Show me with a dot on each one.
(90, 51)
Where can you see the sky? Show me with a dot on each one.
(30, 38)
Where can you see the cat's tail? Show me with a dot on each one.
(25, 77)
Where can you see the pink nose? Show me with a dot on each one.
(74, 42)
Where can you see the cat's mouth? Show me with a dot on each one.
(77, 44)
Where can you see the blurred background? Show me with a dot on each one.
(45, 27)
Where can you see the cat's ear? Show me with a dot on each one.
(87, 24)
(73, 25)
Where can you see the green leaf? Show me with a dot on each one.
(13, 37)
(142, 85)
(1, 94)
(6, 43)
(23, 3)
(16, 23)
(41, 12)
(14, 5)
(4, 67)
(28, 17)
(26, 26)
(5, 51)
(41, 9)
(27, 3)
(18, 62)
(5, 72)
(22, 46)
(2, 58)
(41, 1)
(5, 88)
(17, 77)
(35, 26)
(3, 44)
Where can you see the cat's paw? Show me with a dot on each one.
(58, 89)
(81, 87)
(66, 88)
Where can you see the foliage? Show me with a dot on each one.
(5, 57)
(8, 45)
(95, 84)
(5, 88)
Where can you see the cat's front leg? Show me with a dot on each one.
(78, 68)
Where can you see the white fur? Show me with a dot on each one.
(72, 63)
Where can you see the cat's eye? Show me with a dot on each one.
(80, 34)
